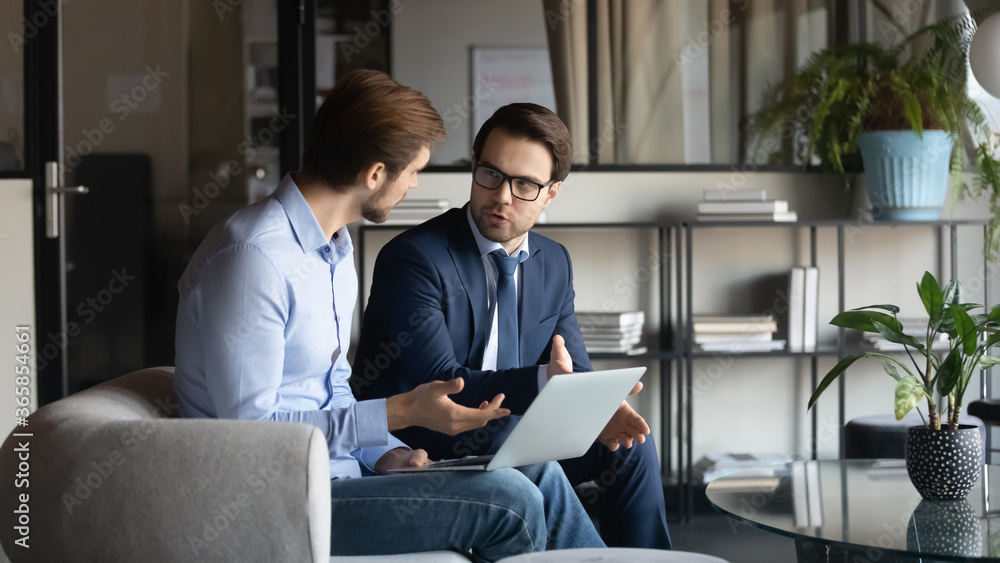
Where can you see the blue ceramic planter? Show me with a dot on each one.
(907, 176)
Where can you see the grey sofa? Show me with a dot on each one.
(114, 475)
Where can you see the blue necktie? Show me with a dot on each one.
(507, 350)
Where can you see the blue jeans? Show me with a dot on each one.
(493, 514)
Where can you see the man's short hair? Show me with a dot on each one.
(369, 118)
(535, 123)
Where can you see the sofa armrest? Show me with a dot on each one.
(170, 490)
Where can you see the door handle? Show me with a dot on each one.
(52, 192)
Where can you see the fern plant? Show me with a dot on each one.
(918, 83)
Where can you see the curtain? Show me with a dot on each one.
(675, 77)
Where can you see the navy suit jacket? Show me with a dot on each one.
(427, 319)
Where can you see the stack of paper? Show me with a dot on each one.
(415, 211)
(743, 205)
(612, 332)
(915, 327)
(742, 333)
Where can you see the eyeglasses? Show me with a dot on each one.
(521, 188)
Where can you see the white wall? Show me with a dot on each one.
(747, 404)
(17, 293)
(431, 44)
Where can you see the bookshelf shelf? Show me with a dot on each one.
(688, 353)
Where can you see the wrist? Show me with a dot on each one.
(397, 411)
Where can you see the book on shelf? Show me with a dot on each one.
(743, 207)
(418, 203)
(612, 332)
(912, 326)
(739, 324)
(614, 342)
(734, 194)
(789, 217)
(796, 308)
(732, 337)
(623, 319)
(627, 350)
(738, 347)
(810, 313)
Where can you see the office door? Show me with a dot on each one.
(104, 145)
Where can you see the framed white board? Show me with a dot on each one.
(504, 75)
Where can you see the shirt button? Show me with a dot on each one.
(327, 249)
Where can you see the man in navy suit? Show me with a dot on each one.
(474, 294)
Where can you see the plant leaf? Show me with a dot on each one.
(909, 392)
(986, 362)
(950, 372)
(966, 329)
(831, 376)
(897, 336)
(890, 369)
(931, 296)
(952, 293)
(993, 340)
(864, 320)
(995, 314)
(891, 308)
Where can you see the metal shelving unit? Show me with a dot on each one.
(687, 354)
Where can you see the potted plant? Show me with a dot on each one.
(909, 98)
(943, 457)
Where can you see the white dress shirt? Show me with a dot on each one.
(485, 248)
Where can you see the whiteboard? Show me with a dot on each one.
(504, 75)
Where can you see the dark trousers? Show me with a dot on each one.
(628, 496)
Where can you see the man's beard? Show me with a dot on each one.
(376, 208)
(500, 234)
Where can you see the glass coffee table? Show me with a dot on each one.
(862, 511)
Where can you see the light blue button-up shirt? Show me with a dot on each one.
(263, 328)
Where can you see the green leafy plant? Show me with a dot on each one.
(970, 336)
(919, 83)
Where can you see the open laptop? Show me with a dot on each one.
(561, 423)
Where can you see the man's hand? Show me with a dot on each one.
(625, 426)
(429, 406)
(400, 457)
(560, 361)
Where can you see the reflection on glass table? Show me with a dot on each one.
(861, 510)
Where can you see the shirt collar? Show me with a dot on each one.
(304, 223)
(486, 246)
